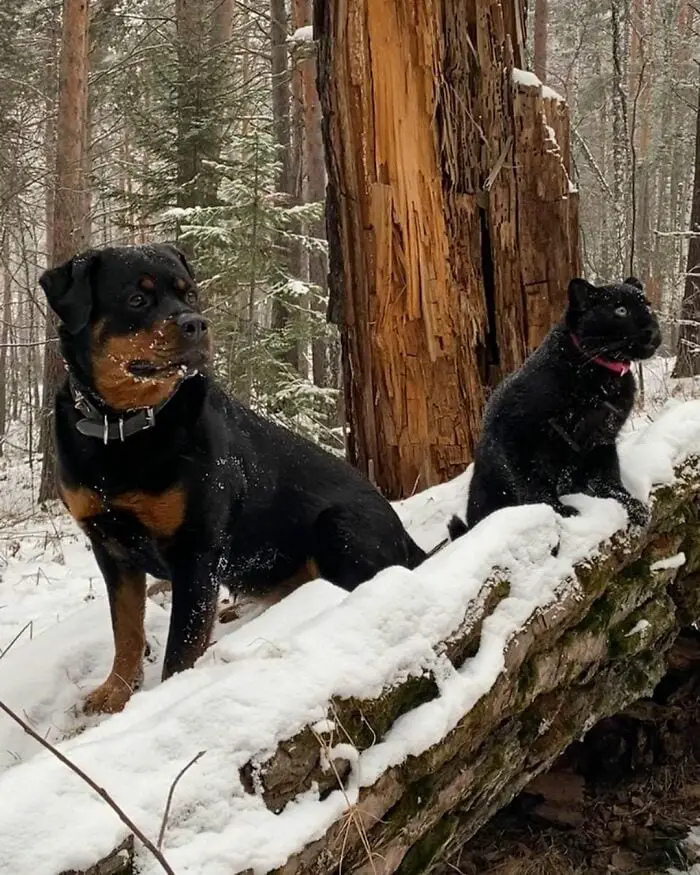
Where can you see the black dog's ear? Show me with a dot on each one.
(179, 254)
(581, 293)
(69, 291)
(633, 281)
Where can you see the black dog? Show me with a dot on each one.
(169, 476)
(550, 428)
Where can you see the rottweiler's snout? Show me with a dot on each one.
(193, 327)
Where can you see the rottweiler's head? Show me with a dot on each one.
(130, 324)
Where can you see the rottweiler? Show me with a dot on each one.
(170, 476)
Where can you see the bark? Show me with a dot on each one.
(577, 658)
(620, 149)
(540, 54)
(190, 18)
(315, 193)
(5, 371)
(429, 282)
(281, 102)
(69, 203)
(688, 359)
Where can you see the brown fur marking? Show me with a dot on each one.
(180, 284)
(128, 607)
(147, 282)
(82, 503)
(161, 514)
(111, 357)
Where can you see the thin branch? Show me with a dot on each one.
(101, 792)
(182, 771)
(591, 160)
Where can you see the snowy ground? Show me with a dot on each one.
(264, 679)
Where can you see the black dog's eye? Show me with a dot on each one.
(137, 301)
(620, 311)
(191, 297)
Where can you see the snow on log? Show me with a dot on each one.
(348, 729)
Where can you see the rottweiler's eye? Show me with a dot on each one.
(191, 297)
(621, 311)
(137, 301)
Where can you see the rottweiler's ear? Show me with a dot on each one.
(581, 294)
(633, 281)
(179, 254)
(68, 290)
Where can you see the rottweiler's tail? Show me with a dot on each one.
(455, 528)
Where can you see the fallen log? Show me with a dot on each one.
(575, 663)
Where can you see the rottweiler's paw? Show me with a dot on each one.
(566, 510)
(637, 512)
(229, 613)
(110, 697)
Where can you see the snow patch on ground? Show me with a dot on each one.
(264, 680)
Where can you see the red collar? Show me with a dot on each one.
(619, 368)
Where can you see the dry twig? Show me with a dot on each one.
(101, 792)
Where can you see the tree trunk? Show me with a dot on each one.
(315, 194)
(688, 360)
(540, 58)
(281, 102)
(189, 24)
(620, 145)
(5, 335)
(439, 161)
(69, 226)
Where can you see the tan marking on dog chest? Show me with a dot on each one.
(82, 503)
(161, 514)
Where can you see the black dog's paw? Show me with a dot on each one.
(456, 528)
(565, 510)
(637, 511)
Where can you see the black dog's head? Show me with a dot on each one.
(615, 322)
(130, 326)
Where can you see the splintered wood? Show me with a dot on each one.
(452, 226)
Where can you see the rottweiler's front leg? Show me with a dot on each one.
(195, 590)
(126, 589)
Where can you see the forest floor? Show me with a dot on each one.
(55, 645)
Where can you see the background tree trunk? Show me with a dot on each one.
(69, 202)
(540, 54)
(436, 294)
(281, 101)
(688, 361)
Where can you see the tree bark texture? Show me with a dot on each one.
(282, 315)
(540, 55)
(688, 358)
(68, 228)
(446, 181)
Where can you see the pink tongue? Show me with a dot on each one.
(620, 368)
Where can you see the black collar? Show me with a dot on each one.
(98, 424)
